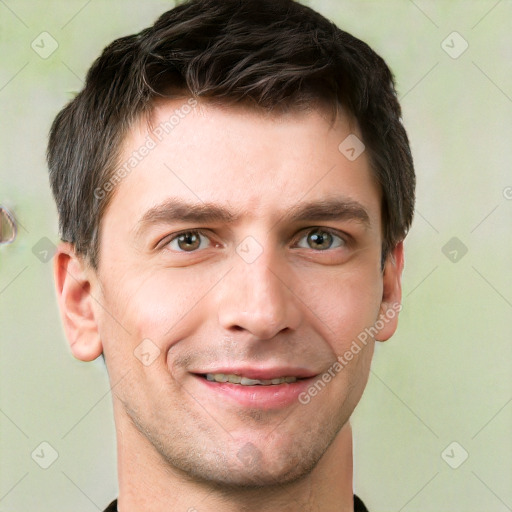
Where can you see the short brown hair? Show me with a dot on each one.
(273, 54)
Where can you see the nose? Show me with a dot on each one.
(258, 297)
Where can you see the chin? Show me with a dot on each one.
(256, 476)
(246, 467)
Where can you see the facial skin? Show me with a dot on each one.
(205, 305)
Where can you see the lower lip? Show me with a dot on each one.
(275, 396)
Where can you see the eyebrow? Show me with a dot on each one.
(177, 210)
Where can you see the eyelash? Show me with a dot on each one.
(343, 238)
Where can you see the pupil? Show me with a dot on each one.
(188, 241)
(321, 239)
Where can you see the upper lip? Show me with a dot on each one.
(261, 373)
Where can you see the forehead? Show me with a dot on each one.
(253, 162)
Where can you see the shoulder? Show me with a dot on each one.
(112, 507)
(359, 506)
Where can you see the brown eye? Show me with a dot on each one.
(320, 239)
(188, 241)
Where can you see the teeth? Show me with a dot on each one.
(244, 381)
(249, 382)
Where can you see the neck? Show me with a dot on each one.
(147, 482)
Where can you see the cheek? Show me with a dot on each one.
(158, 306)
(344, 302)
(166, 305)
(141, 318)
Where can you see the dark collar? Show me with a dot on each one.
(358, 506)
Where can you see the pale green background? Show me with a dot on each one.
(446, 375)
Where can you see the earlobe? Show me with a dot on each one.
(75, 302)
(391, 293)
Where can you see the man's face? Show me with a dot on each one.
(275, 274)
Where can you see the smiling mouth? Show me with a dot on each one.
(245, 381)
(276, 388)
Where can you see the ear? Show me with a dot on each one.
(72, 280)
(391, 293)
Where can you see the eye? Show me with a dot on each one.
(321, 240)
(188, 241)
